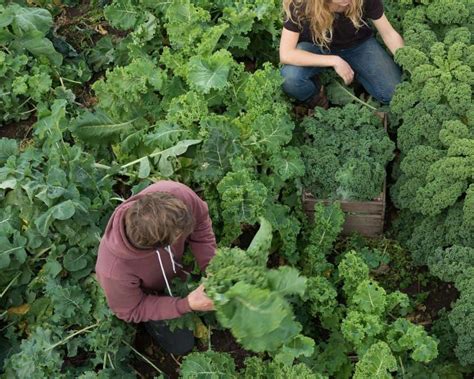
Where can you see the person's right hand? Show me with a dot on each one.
(199, 301)
(344, 70)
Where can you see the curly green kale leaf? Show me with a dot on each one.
(405, 336)
(377, 363)
(208, 364)
(345, 154)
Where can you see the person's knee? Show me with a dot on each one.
(183, 345)
(292, 79)
(387, 89)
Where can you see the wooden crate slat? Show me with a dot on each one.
(366, 207)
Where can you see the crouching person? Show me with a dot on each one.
(141, 251)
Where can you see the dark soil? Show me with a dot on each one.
(20, 130)
(441, 295)
(81, 25)
(245, 238)
(221, 341)
(121, 188)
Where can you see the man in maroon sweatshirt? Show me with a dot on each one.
(141, 252)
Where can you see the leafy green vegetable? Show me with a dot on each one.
(345, 154)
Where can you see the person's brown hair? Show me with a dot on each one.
(157, 220)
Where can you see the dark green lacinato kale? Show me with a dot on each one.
(345, 153)
(251, 300)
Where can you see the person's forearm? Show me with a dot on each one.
(299, 57)
(393, 41)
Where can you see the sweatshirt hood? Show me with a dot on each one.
(115, 237)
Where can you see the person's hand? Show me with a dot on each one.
(344, 70)
(199, 301)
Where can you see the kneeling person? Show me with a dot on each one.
(141, 252)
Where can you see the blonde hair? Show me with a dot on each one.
(321, 18)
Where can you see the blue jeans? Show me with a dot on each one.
(372, 66)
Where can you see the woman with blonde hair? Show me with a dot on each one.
(319, 34)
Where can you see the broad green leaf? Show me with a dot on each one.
(218, 149)
(8, 183)
(339, 94)
(164, 164)
(209, 73)
(61, 211)
(74, 260)
(50, 128)
(270, 133)
(9, 251)
(6, 18)
(165, 135)
(64, 210)
(29, 20)
(8, 147)
(287, 281)
(288, 164)
(299, 346)
(51, 268)
(144, 169)
(98, 127)
(259, 248)
(122, 14)
(39, 46)
(259, 318)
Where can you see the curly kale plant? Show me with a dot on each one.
(456, 264)
(345, 153)
(434, 110)
(251, 301)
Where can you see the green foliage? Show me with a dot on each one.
(256, 368)
(433, 107)
(456, 264)
(208, 365)
(180, 105)
(48, 253)
(345, 154)
(251, 301)
(327, 226)
(32, 72)
(377, 363)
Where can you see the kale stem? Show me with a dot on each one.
(72, 335)
(142, 356)
(355, 97)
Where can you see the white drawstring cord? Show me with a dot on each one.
(168, 249)
(164, 274)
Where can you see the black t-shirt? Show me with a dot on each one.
(344, 33)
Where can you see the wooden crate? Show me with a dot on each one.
(364, 217)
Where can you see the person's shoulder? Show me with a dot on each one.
(373, 9)
(292, 23)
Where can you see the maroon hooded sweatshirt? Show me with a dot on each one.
(131, 278)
